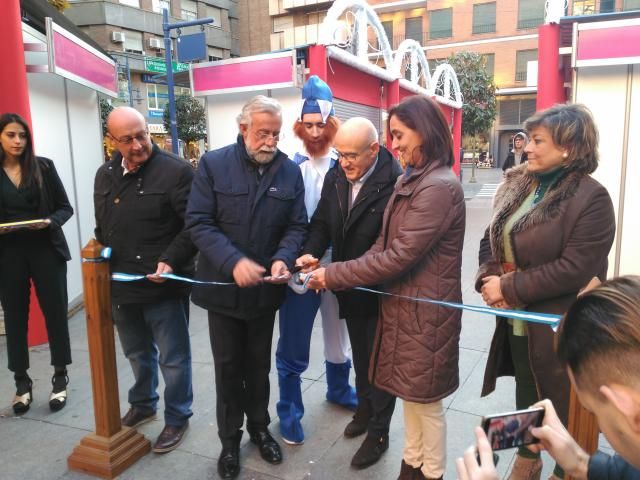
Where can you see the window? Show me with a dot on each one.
(158, 95)
(133, 42)
(522, 57)
(584, 7)
(607, 6)
(489, 61)
(214, 54)
(631, 5)
(189, 10)
(530, 13)
(440, 23)
(131, 3)
(484, 18)
(159, 5)
(388, 30)
(216, 14)
(413, 29)
(434, 62)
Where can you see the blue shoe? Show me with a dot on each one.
(290, 409)
(338, 389)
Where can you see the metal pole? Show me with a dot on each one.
(129, 81)
(172, 101)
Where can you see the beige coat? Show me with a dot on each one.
(418, 254)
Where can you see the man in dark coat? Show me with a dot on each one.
(349, 217)
(246, 215)
(140, 197)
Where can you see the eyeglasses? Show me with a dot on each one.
(262, 135)
(350, 156)
(128, 140)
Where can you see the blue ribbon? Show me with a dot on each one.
(544, 318)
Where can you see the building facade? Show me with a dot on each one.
(131, 31)
(504, 32)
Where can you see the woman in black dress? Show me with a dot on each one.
(30, 189)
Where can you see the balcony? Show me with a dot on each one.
(529, 23)
(484, 28)
(521, 76)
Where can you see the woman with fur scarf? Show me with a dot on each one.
(552, 228)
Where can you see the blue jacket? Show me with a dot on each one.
(234, 212)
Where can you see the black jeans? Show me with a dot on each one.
(242, 359)
(37, 261)
(361, 334)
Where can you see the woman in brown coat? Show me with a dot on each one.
(552, 229)
(418, 254)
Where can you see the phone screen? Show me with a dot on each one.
(513, 429)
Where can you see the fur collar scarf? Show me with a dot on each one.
(517, 185)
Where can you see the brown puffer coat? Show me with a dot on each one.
(559, 246)
(418, 254)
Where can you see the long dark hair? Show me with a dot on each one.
(424, 116)
(30, 169)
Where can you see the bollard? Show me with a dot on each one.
(583, 426)
(112, 448)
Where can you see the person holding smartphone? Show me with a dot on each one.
(599, 345)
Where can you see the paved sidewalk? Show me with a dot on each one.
(36, 445)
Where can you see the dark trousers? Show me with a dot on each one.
(361, 334)
(242, 359)
(37, 261)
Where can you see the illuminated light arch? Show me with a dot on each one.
(417, 59)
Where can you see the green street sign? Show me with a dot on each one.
(157, 65)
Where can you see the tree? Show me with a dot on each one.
(60, 5)
(479, 96)
(105, 110)
(190, 122)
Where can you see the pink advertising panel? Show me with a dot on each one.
(608, 43)
(244, 74)
(74, 59)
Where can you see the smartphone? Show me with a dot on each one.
(512, 429)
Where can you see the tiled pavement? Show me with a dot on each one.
(36, 445)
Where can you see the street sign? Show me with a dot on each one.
(157, 65)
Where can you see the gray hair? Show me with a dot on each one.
(258, 104)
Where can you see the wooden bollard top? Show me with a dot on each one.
(94, 251)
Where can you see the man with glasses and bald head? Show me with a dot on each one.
(140, 197)
(247, 216)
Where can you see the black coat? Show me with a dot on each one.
(54, 205)
(141, 217)
(510, 161)
(351, 234)
(234, 212)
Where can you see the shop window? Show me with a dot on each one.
(607, 6)
(484, 18)
(584, 7)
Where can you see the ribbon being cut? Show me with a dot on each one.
(545, 318)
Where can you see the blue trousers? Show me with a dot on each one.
(153, 334)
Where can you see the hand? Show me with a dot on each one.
(248, 273)
(503, 305)
(317, 281)
(162, 268)
(279, 273)
(468, 467)
(491, 293)
(556, 440)
(308, 263)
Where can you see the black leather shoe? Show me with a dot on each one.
(229, 460)
(269, 448)
(24, 394)
(370, 451)
(360, 422)
(407, 472)
(170, 437)
(136, 417)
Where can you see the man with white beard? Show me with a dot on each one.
(247, 217)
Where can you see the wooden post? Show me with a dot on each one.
(112, 448)
(583, 426)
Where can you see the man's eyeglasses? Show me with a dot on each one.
(128, 140)
(262, 135)
(351, 156)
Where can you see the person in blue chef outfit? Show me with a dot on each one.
(316, 127)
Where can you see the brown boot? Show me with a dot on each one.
(526, 469)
